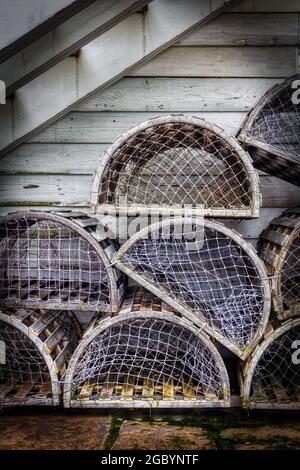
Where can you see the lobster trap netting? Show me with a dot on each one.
(36, 347)
(274, 379)
(208, 273)
(171, 163)
(279, 247)
(146, 361)
(272, 131)
(51, 262)
(290, 278)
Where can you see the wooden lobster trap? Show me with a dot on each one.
(271, 131)
(176, 164)
(145, 356)
(279, 247)
(271, 376)
(206, 272)
(36, 347)
(57, 260)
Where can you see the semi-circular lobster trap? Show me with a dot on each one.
(57, 260)
(271, 377)
(271, 131)
(175, 163)
(146, 356)
(279, 247)
(35, 347)
(206, 272)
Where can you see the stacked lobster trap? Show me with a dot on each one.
(53, 264)
(207, 285)
(197, 288)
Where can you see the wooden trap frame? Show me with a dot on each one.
(57, 260)
(37, 346)
(174, 165)
(205, 271)
(271, 132)
(271, 376)
(279, 247)
(145, 356)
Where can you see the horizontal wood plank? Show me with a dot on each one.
(179, 94)
(221, 62)
(58, 158)
(267, 6)
(251, 29)
(90, 127)
(74, 190)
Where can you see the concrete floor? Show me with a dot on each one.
(59, 430)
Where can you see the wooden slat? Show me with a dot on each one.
(258, 29)
(128, 389)
(21, 315)
(168, 389)
(175, 94)
(46, 388)
(276, 237)
(221, 62)
(210, 395)
(27, 387)
(267, 6)
(107, 391)
(64, 40)
(74, 190)
(279, 389)
(136, 39)
(260, 393)
(43, 321)
(188, 392)
(148, 389)
(6, 388)
(90, 127)
(85, 392)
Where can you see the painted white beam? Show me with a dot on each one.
(100, 63)
(21, 16)
(24, 21)
(64, 40)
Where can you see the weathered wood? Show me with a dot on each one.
(278, 247)
(275, 155)
(66, 39)
(267, 6)
(179, 94)
(61, 291)
(74, 190)
(253, 29)
(79, 159)
(135, 391)
(243, 202)
(221, 62)
(101, 62)
(272, 393)
(37, 386)
(105, 127)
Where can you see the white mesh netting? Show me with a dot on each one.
(276, 378)
(146, 359)
(172, 164)
(218, 282)
(48, 262)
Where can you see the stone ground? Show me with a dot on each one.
(58, 430)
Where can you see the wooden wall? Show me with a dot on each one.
(216, 72)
